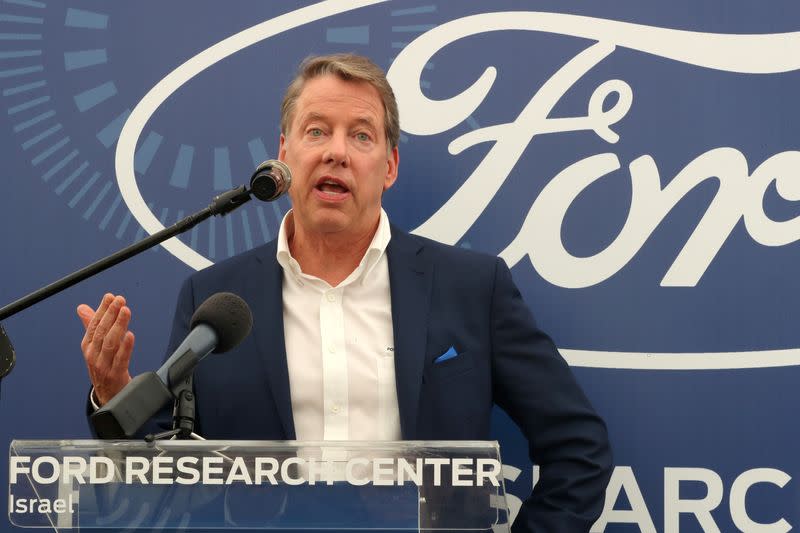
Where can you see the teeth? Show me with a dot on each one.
(332, 183)
(332, 187)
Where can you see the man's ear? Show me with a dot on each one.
(282, 148)
(393, 165)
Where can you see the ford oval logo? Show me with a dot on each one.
(538, 238)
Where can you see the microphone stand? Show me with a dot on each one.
(183, 413)
(220, 205)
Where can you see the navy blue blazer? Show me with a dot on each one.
(441, 297)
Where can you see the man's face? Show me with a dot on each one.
(337, 151)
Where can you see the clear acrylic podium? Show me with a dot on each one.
(266, 485)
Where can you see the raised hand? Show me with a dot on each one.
(107, 345)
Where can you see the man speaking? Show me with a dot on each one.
(364, 332)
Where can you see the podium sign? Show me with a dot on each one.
(174, 484)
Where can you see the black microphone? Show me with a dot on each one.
(218, 325)
(271, 180)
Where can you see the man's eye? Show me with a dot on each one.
(315, 132)
(362, 137)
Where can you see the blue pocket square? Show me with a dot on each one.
(449, 354)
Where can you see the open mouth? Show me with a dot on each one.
(331, 188)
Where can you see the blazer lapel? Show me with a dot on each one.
(265, 285)
(410, 277)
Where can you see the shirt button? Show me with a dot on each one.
(332, 348)
(331, 297)
(335, 409)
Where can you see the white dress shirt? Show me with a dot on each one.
(340, 346)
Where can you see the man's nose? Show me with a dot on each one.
(337, 150)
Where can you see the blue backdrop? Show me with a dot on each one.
(635, 162)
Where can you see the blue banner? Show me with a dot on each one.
(636, 164)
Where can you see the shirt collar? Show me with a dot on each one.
(371, 257)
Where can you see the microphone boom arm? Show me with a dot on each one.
(220, 205)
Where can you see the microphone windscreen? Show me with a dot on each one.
(271, 180)
(228, 315)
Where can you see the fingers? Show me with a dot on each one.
(107, 345)
(112, 339)
(85, 314)
(100, 333)
(117, 375)
(122, 358)
(95, 320)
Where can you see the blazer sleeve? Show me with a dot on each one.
(566, 437)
